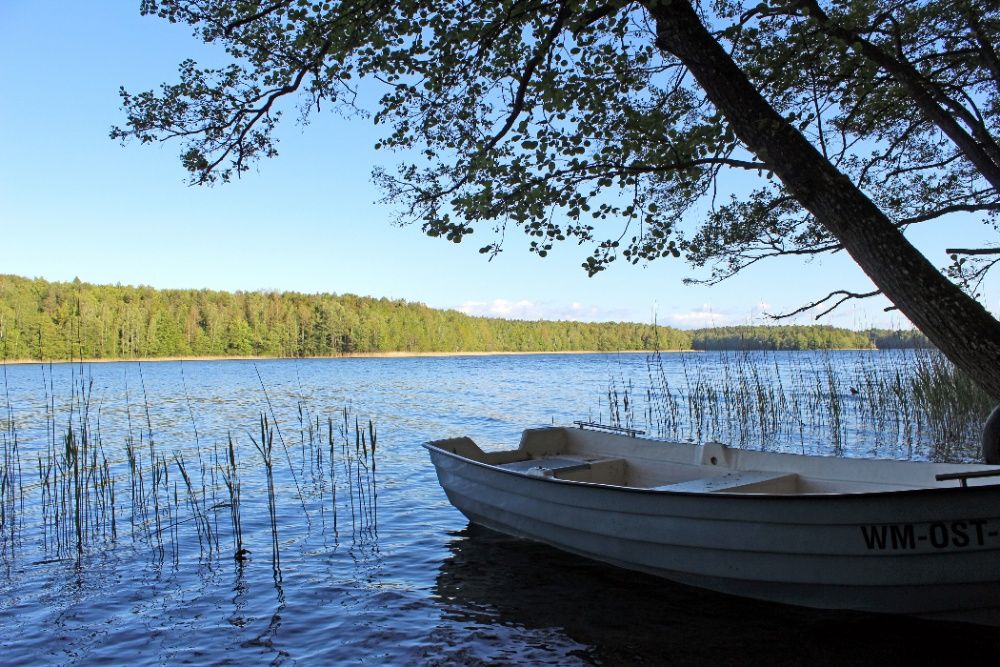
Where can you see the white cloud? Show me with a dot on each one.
(533, 310)
(696, 318)
(520, 310)
(702, 317)
(709, 316)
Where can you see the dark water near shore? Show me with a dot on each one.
(422, 587)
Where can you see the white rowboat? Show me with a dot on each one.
(884, 536)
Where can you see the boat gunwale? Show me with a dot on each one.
(976, 490)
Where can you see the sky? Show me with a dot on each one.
(75, 204)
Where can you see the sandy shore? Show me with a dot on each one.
(359, 355)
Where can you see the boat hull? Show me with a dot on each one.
(928, 552)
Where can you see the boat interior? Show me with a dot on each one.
(615, 459)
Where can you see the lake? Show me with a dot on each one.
(385, 571)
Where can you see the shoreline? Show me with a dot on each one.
(386, 355)
(349, 355)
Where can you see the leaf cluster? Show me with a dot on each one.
(564, 120)
(558, 118)
(847, 72)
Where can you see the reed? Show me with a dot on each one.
(173, 501)
(288, 458)
(266, 448)
(332, 444)
(347, 460)
(372, 486)
(912, 404)
(231, 477)
(76, 501)
(202, 525)
(11, 486)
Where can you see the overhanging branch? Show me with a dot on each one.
(973, 251)
(844, 296)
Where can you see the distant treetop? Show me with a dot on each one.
(66, 320)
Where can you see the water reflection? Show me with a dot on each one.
(614, 616)
(240, 594)
(344, 594)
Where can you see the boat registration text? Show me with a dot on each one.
(938, 535)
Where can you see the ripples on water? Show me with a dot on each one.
(427, 588)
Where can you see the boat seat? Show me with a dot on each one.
(751, 481)
(573, 469)
(549, 463)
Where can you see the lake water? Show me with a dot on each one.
(402, 578)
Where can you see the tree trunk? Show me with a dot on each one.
(956, 323)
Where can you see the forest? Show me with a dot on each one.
(819, 337)
(44, 320)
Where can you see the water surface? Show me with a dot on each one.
(420, 586)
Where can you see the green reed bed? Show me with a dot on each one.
(85, 495)
(906, 404)
(230, 472)
(266, 450)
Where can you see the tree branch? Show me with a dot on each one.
(236, 143)
(984, 154)
(844, 296)
(956, 208)
(595, 15)
(987, 52)
(973, 251)
(239, 23)
(529, 71)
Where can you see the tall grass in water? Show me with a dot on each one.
(950, 406)
(900, 404)
(357, 455)
(230, 470)
(11, 480)
(75, 480)
(266, 448)
(75, 496)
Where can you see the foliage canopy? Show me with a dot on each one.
(565, 119)
(609, 121)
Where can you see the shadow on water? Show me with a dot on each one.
(623, 617)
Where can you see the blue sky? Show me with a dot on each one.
(73, 203)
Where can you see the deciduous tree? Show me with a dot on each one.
(609, 122)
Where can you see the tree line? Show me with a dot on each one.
(67, 320)
(859, 119)
(63, 320)
(779, 338)
(816, 337)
